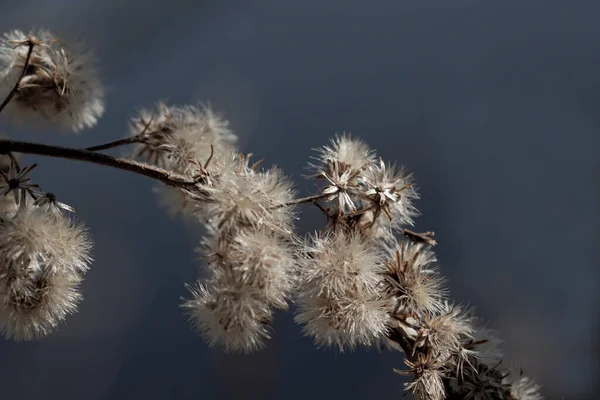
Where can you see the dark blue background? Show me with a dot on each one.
(494, 106)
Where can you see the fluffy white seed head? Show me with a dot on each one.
(252, 271)
(237, 320)
(185, 139)
(340, 301)
(43, 256)
(392, 193)
(32, 306)
(344, 154)
(523, 387)
(244, 198)
(341, 165)
(174, 136)
(365, 193)
(60, 84)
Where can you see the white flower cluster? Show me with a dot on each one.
(360, 285)
(248, 245)
(249, 251)
(355, 282)
(184, 139)
(59, 84)
(43, 257)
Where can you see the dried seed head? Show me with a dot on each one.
(342, 165)
(392, 193)
(247, 198)
(522, 387)
(32, 306)
(428, 374)
(43, 256)
(340, 299)
(237, 320)
(412, 280)
(60, 83)
(174, 136)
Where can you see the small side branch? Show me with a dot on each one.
(159, 174)
(310, 199)
(116, 143)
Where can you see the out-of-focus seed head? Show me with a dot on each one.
(32, 306)
(43, 256)
(60, 84)
(522, 387)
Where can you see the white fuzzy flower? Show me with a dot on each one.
(32, 306)
(60, 83)
(341, 165)
(174, 136)
(237, 320)
(252, 272)
(523, 387)
(43, 256)
(340, 300)
(392, 193)
(248, 198)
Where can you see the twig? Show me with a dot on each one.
(120, 142)
(15, 88)
(309, 199)
(116, 143)
(159, 174)
(425, 237)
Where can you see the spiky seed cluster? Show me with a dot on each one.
(43, 257)
(341, 302)
(428, 377)
(60, 83)
(412, 280)
(183, 139)
(359, 284)
(248, 248)
(374, 196)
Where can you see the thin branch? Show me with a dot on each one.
(116, 143)
(309, 199)
(15, 88)
(159, 174)
(120, 142)
(425, 237)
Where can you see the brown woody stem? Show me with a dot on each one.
(159, 174)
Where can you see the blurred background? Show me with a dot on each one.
(494, 106)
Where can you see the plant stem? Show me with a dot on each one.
(15, 88)
(309, 199)
(159, 174)
(116, 143)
